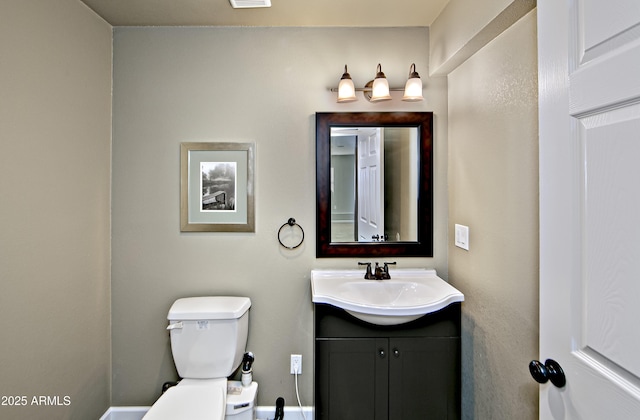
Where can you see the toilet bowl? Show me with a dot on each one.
(208, 340)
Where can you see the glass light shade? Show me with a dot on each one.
(380, 89)
(413, 88)
(346, 89)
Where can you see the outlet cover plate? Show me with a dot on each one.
(296, 362)
(462, 236)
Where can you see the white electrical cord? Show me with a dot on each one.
(298, 396)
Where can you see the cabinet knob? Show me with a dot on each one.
(381, 353)
(396, 353)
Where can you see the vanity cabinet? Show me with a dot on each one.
(401, 372)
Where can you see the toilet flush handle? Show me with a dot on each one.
(174, 326)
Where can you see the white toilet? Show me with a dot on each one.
(208, 340)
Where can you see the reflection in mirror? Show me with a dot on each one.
(374, 184)
(374, 192)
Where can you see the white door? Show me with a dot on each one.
(589, 80)
(370, 185)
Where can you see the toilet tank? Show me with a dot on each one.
(208, 335)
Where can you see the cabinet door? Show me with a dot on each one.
(352, 379)
(424, 378)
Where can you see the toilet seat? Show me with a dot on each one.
(193, 399)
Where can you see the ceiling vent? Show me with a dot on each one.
(246, 4)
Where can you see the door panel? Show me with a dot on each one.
(604, 21)
(612, 144)
(589, 73)
(370, 184)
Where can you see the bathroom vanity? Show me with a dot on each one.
(386, 350)
(400, 372)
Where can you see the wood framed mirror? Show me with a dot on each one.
(374, 184)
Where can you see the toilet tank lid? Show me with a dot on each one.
(209, 307)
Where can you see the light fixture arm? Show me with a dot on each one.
(346, 74)
(412, 71)
(369, 88)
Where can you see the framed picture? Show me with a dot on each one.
(217, 187)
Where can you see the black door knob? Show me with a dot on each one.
(550, 371)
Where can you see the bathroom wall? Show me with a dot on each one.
(465, 26)
(55, 137)
(493, 182)
(261, 85)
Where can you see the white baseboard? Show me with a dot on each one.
(125, 413)
(262, 413)
(290, 413)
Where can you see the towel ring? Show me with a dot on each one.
(291, 222)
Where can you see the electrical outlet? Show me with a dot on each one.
(296, 364)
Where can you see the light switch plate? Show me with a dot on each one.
(462, 236)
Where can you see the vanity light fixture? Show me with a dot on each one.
(377, 90)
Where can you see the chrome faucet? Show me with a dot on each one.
(379, 273)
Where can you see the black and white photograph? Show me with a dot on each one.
(218, 185)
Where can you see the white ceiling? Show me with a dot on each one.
(355, 13)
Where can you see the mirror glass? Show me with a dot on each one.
(374, 194)
(374, 184)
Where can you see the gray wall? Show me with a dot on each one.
(493, 181)
(55, 132)
(261, 85)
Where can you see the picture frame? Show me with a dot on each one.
(217, 187)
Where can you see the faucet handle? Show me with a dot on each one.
(368, 275)
(385, 270)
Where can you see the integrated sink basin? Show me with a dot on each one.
(408, 295)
